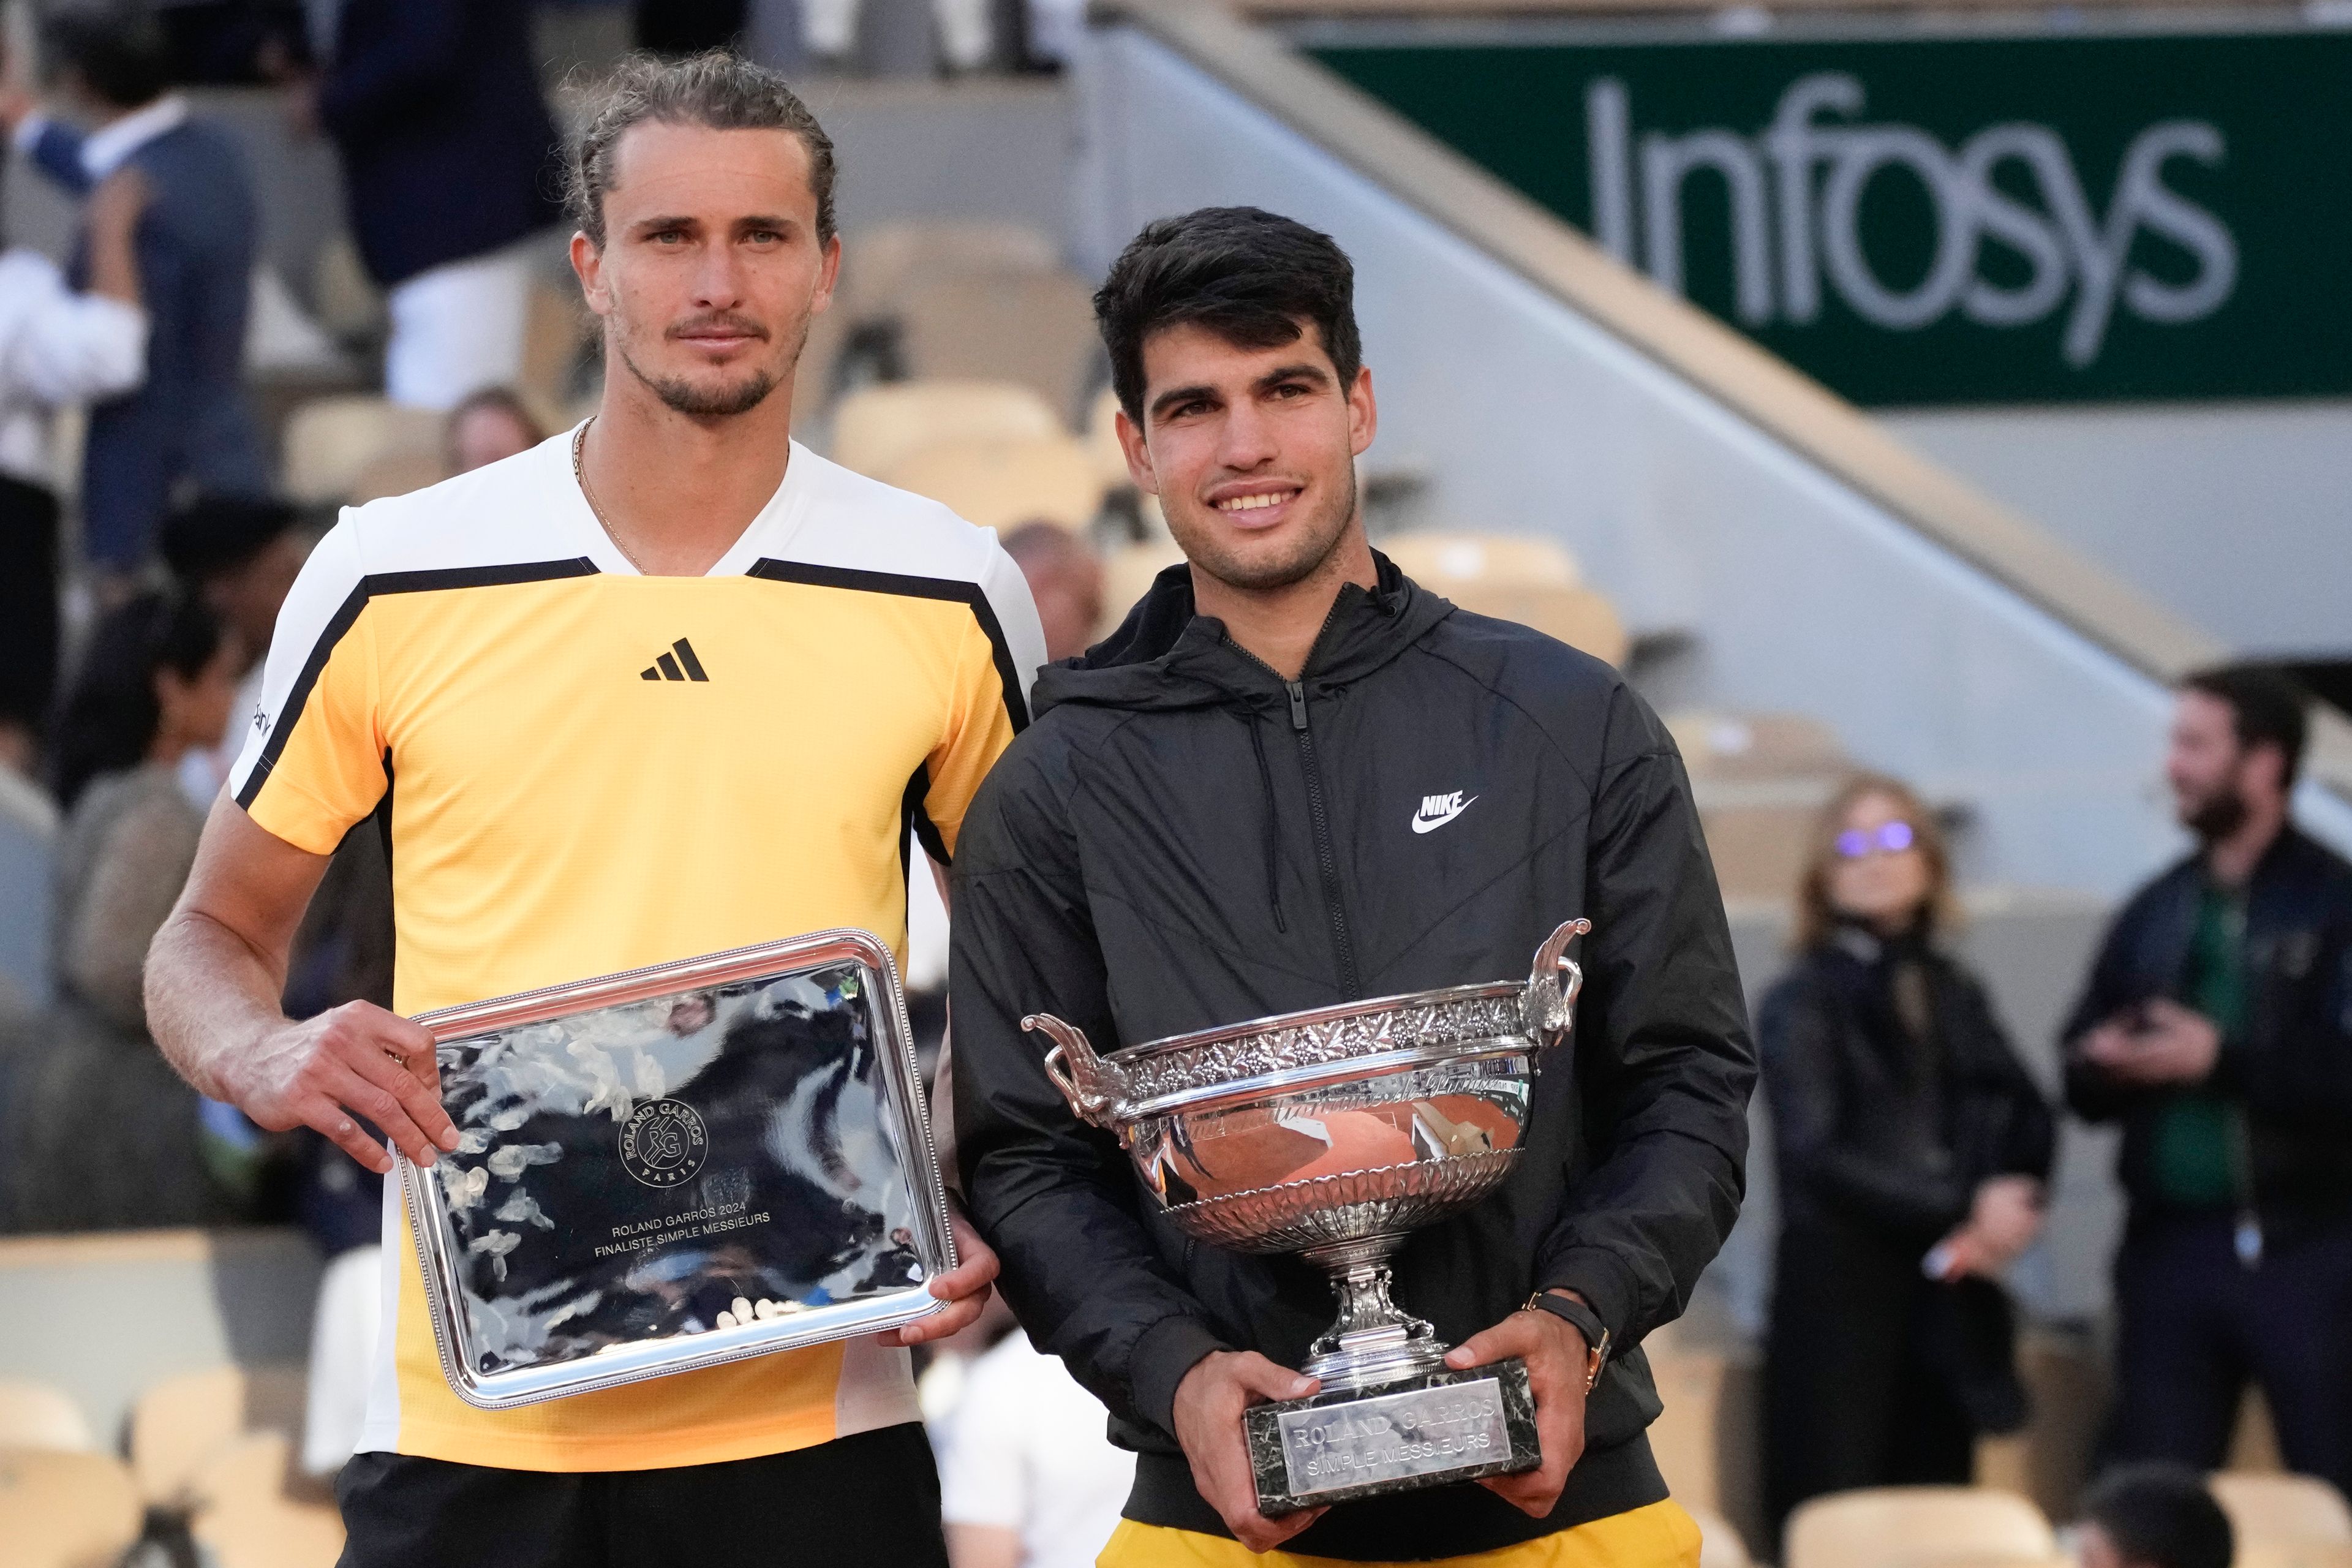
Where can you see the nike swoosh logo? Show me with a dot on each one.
(1432, 823)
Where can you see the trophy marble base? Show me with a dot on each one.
(1431, 1430)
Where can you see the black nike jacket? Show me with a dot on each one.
(1181, 839)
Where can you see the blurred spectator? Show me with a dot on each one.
(680, 27)
(490, 424)
(449, 162)
(99, 1132)
(2155, 1515)
(1911, 1150)
(1065, 578)
(2217, 1027)
(56, 347)
(187, 427)
(240, 557)
(233, 43)
(1028, 1478)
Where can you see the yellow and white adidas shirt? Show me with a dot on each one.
(585, 769)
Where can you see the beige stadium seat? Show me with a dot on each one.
(1127, 577)
(1037, 329)
(1719, 1545)
(2292, 1554)
(1004, 484)
(1531, 581)
(1102, 442)
(1757, 745)
(38, 1415)
(1445, 561)
(252, 1510)
(332, 441)
(878, 427)
(65, 1511)
(2284, 1508)
(1761, 781)
(883, 266)
(1914, 1527)
(1684, 1437)
(397, 474)
(181, 1424)
(556, 327)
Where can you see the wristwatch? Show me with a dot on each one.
(1587, 1322)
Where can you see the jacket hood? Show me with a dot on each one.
(1166, 655)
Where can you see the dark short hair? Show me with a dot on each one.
(1249, 276)
(2162, 1514)
(107, 721)
(715, 90)
(214, 534)
(117, 48)
(2266, 707)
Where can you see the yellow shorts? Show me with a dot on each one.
(1658, 1536)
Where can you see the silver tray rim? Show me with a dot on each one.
(934, 1241)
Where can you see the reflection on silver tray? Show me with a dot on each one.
(677, 1167)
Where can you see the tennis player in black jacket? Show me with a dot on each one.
(1291, 778)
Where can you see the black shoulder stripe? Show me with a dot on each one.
(970, 595)
(347, 614)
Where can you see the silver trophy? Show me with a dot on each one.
(1333, 1133)
(677, 1167)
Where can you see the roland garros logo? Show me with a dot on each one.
(663, 1143)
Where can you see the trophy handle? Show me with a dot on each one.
(1085, 1080)
(1553, 988)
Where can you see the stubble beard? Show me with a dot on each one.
(727, 399)
(2217, 815)
(1314, 546)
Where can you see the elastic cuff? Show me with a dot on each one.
(1601, 1278)
(1168, 1349)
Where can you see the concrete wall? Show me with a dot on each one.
(2237, 517)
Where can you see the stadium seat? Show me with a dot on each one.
(1719, 1545)
(1038, 330)
(1444, 560)
(1102, 441)
(181, 1423)
(1127, 577)
(1003, 484)
(1912, 1527)
(2284, 1508)
(330, 442)
(252, 1510)
(878, 427)
(1686, 1435)
(882, 267)
(396, 474)
(65, 1511)
(37, 1415)
(1513, 577)
(1761, 780)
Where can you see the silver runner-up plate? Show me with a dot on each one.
(676, 1167)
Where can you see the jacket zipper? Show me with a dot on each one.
(1329, 861)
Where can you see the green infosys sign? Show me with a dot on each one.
(1947, 220)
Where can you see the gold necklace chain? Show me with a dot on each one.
(580, 476)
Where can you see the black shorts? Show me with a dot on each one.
(872, 1497)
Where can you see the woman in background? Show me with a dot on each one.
(99, 1132)
(1912, 1151)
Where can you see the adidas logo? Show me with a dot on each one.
(677, 664)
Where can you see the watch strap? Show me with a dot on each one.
(1587, 1322)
